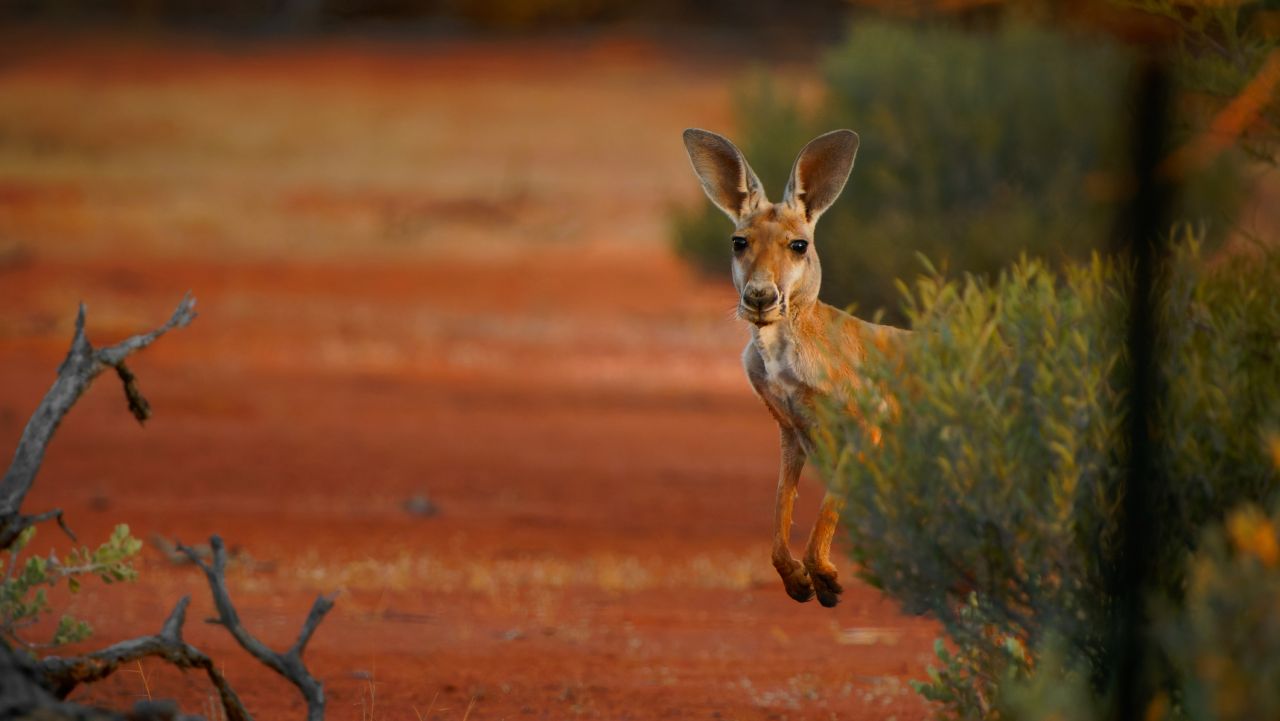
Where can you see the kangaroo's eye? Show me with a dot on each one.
(739, 243)
(800, 246)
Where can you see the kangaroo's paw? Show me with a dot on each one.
(823, 576)
(795, 578)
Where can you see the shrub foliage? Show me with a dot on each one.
(975, 149)
(994, 498)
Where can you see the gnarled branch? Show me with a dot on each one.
(288, 664)
(62, 675)
(82, 365)
(22, 696)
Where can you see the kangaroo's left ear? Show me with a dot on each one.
(820, 172)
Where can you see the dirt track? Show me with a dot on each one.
(433, 271)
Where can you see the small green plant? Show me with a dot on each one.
(23, 593)
(959, 678)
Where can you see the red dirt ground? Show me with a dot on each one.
(439, 270)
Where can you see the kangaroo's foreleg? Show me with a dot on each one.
(793, 573)
(817, 554)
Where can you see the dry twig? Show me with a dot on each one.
(288, 664)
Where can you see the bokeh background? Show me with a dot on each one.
(466, 351)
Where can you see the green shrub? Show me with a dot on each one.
(993, 500)
(975, 149)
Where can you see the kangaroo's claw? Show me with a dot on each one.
(824, 575)
(796, 580)
(827, 587)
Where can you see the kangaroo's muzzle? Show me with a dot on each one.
(761, 303)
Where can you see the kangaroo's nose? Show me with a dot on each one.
(760, 297)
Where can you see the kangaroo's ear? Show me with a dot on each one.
(820, 172)
(730, 183)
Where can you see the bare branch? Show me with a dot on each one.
(11, 526)
(62, 675)
(288, 664)
(322, 606)
(81, 366)
(181, 318)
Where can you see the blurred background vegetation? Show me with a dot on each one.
(977, 146)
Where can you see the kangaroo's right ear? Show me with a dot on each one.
(730, 183)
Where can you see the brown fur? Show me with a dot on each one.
(801, 349)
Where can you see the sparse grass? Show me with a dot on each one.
(426, 716)
(213, 709)
(142, 674)
(368, 699)
(497, 577)
(430, 708)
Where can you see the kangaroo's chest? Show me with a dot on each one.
(791, 380)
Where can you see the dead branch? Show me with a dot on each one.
(29, 687)
(62, 675)
(82, 365)
(24, 696)
(289, 664)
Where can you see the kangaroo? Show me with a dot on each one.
(801, 349)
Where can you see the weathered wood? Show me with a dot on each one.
(288, 664)
(23, 696)
(82, 365)
(62, 675)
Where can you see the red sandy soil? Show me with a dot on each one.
(436, 269)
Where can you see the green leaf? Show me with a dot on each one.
(23, 539)
(71, 630)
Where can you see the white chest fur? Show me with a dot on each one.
(784, 372)
(773, 346)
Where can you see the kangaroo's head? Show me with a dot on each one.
(775, 265)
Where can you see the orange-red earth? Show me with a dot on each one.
(446, 366)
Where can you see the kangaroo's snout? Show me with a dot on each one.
(760, 296)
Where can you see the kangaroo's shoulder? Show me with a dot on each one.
(854, 333)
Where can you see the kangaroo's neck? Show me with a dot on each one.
(804, 326)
